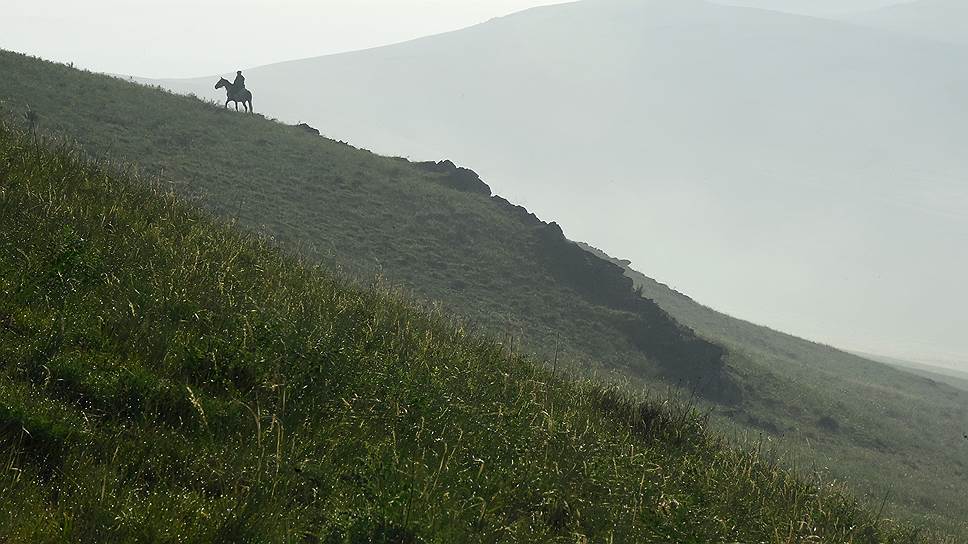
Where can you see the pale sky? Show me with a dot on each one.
(165, 39)
(185, 38)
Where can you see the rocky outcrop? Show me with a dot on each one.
(308, 128)
(519, 212)
(596, 279)
(682, 356)
(456, 177)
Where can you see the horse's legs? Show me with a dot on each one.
(236, 105)
(226, 103)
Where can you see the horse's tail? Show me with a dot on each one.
(249, 96)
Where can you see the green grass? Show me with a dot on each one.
(167, 377)
(507, 274)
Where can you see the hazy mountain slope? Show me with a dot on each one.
(492, 262)
(806, 161)
(165, 378)
(933, 373)
(952, 377)
(941, 20)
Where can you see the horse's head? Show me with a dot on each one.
(222, 82)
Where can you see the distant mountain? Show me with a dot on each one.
(798, 172)
(941, 20)
(816, 8)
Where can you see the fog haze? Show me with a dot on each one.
(798, 172)
(802, 173)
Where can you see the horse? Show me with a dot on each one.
(234, 95)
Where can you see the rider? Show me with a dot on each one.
(239, 83)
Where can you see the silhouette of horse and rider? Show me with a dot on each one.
(235, 91)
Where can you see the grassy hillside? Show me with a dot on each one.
(863, 419)
(164, 377)
(434, 230)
